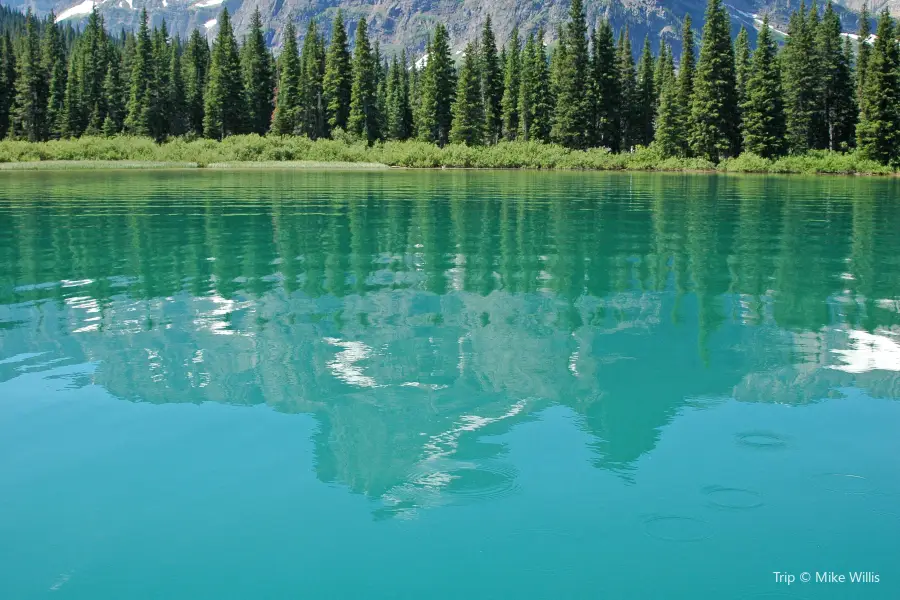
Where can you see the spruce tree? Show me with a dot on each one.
(437, 88)
(763, 109)
(176, 108)
(195, 63)
(162, 59)
(128, 50)
(527, 85)
(714, 133)
(29, 114)
(399, 114)
(646, 96)
(742, 64)
(224, 101)
(468, 111)
(629, 128)
(54, 65)
(338, 76)
(571, 119)
(7, 82)
(669, 132)
(659, 69)
(363, 120)
(491, 84)
(863, 52)
(258, 77)
(838, 96)
(312, 72)
(878, 132)
(542, 103)
(92, 50)
(686, 72)
(287, 104)
(800, 73)
(511, 85)
(141, 99)
(73, 119)
(114, 92)
(605, 88)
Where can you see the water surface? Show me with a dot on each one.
(447, 385)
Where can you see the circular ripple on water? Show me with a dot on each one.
(845, 483)
(733, 498)
(763, 440)
(671, 528)
(487, 481)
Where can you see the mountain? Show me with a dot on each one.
(399, 24)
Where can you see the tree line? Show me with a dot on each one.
(814, 92)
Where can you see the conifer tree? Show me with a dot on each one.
(363, 120)
(527, 85)
(141, 99)
(605, 88)
(128, 50)
(195, 63)
(659, 69)
(669, 118)
(54, 65)
(863, 51)
(162, 59)
(838, 97)
(686, 72)
(287, 104)
(511, 85)
(7, 82)
(258, 76)
(714, 133)
(878, 132)
(114, 93)
(571, 119)
(338, 76)
(468, 111)
(176, 108)
(312, 73)
(742, 64)
(73, 119)
(437, 88)
(629, 129)
(763, 109)
(801, 94)
(224, 101)
(491, 84)
(29, 114)
(92, 50)
(646, 96)
(399, 114)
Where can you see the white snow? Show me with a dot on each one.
(871, 39)
(420, 64)
(208, 3)
(84, 8)
(165, 4)
(210, 24)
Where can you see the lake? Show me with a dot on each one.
(447, 385)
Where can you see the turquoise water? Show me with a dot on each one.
(448, 385)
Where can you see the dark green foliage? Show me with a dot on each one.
(491, 84)
(629, 115)
(763, 108)
(535, 98)
(669, 116)
(686, 71)
(571, 119)
(511, 84)
(195, 63)
(399, 111)
(54, 65)
(7, 82)
(142, 99)
(605, 88)
(338, 77)
(224, 102)
(838, 96)
(436, 90)
(742, 64)
(287, 104)
(364, 119)
(259, 78)
(468, 111)
(114, 92)
(878, 132)
(646, 96)
(801, 84)
(30, 106)
(863, 52)
(311, 116)
(176, 102)
(714, 132)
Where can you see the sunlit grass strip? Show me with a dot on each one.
(298, 152)
(86, 165)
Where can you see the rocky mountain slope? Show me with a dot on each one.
(407, 23)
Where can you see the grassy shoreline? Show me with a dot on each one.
(252, 151)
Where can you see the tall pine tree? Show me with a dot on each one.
(669, 118)
(141, 100)
(801, 93)
(287, 104)
(646, 96)
(312, 73)
(605, 88)
(511, 85)
(838, 96)
(29, 115)
(629, 115)
(468, 111)
(571, 119)
(364, 119)
(195, 63)
(437, 89)
(224, 101)
(763, 108)
(338, 76)
(714, 132)
(54, 65)
(258, 76)
(742, 64)
(7, 82)
(878, 132)
(491, 84)
(863, 52)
